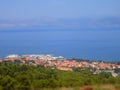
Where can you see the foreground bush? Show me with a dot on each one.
(27, 77)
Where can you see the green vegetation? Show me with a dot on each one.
(28, 77)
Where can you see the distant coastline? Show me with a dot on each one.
(53, 57)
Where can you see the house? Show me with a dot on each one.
(1, 60)
(65, 68)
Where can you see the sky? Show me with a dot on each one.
(55, 13)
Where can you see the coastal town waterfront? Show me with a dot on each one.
(60, 63)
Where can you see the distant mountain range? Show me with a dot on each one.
(61, 23)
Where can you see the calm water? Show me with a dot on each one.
(100, 44)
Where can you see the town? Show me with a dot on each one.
(60, 63)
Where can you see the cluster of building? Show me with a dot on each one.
(37, 56)
(59, 62)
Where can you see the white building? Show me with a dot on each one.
(12, 56)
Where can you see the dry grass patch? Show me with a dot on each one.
(105, 87)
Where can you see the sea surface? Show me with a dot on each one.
(90, 43)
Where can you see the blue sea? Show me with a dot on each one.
(89, 43)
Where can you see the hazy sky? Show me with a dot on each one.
(58, 8)
(41, 11)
